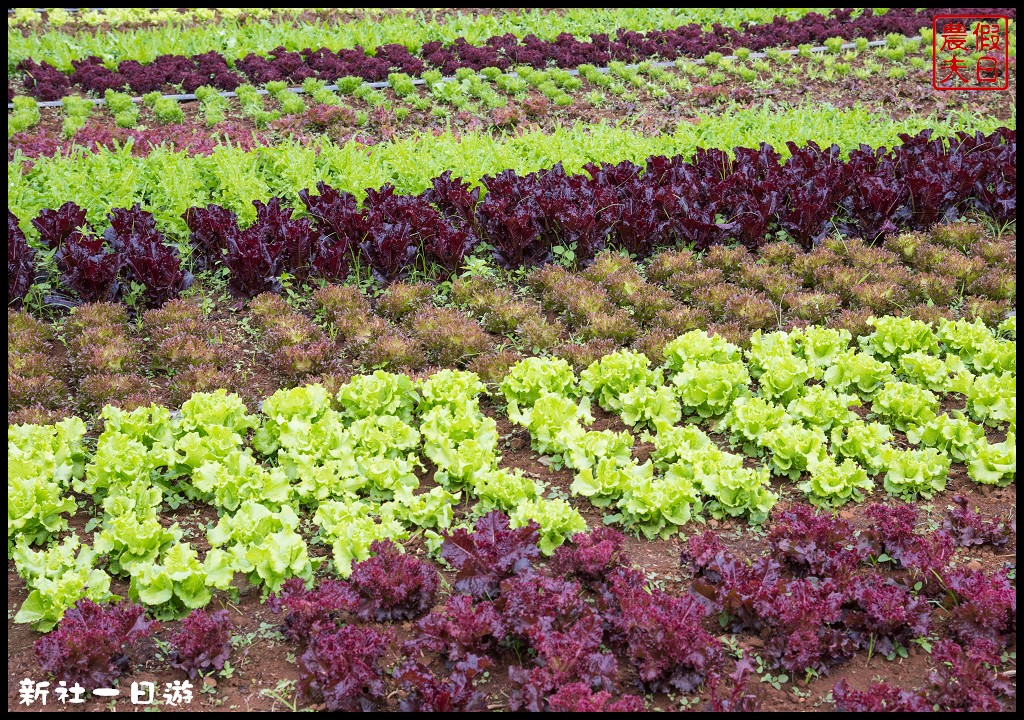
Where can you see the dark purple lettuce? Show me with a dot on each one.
(252, 262)
(145, 258)
(813, 182)
(399, 228)
(202, 643)
(448, 245)
(392, 585)
(511, 219)
(876, 199)
(880, 616)
(459, 629)
(454, 198)
(342, 669)
(21, 261)
(56, 226)
(91, 645)
(209, 228)
(425, 692)
(576, 211)
(938, 179)
(89, 268)
(754, 194)
(341, 227)
(289, 240)
(492, 552)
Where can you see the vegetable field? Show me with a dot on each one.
(546, 360)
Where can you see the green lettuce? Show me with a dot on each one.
(994, 463)
(556, 423)
(609, 480)
(956, 436)
(42, 461)
(595, 445)
(905, 405)
(997, 356)
(615, 374)
(149, 425)
(863, 442)
(915, 473)
(464, 464)
(452, 388)
(239, 477)
(823, 408)
(289, 415)
(794, 449)
(963, 338)
(381, 393)
(820, 346)
(172, 587)
(503, 489)
(132, 533)
(655, 506)
(678, 442)
(557, 519)
(218, 409)
(645, 406)
(707, 388)
(929, 371)
(351, 526)
(698, 346)
(384, 436)
(831, 484)
(857, 371)
(444, 428)
(750, 419)
(784, 377)
(764, 347)
(263, 543)
(528, 379)
(57, 578)
(738, 492)
(897, 336)
(1008, 327)
(992, 399)
(432, 509)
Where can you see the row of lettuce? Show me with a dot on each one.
(352, 459)
(505, 99)
(709, 199)
(168, 181)
(226, 71)
(237, 32)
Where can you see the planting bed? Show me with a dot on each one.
(671, 387)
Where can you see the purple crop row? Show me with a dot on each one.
(697, 203)
(46, 82)
(131, 250)
(190, 138)
(586, 628)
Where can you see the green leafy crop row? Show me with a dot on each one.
(236, 39)
(799, 418)
(492, 90)
(167, 182)
(352, 458)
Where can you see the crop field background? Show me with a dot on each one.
(548, 360)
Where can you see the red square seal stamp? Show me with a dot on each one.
(970, 52)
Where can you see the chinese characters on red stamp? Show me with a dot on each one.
(970, 52)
